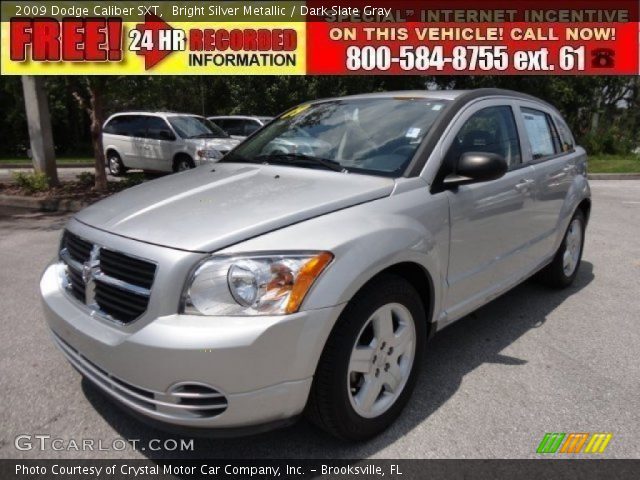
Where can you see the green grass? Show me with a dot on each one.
(614, 163)
(60, 161)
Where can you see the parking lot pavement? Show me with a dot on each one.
(531, 362)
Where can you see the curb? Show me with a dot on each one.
(613, 176)
(22, 166)
(42, 204)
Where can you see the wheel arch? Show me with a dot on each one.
(418, 276)
(421, 280)
(182, 154)
(111, 149)
(577, 198)
(585, 206)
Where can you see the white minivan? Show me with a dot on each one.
(162, 141)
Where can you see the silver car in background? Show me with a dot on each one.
(237, 296)
(240, 126)
(161, 142)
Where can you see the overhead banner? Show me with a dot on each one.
(453, 37)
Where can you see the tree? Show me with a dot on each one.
(89, 93)
(39, 123)
(596, 108)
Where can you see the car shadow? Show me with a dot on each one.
(477, 339)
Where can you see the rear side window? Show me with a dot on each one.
(490, 130)
(566, 138)
(155, 128)
(235, 127)
(540, 133)
(250, 127)
(116, 125)
(127, 125)
(137, 126)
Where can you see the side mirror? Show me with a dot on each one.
(475, 167)
(167, 135)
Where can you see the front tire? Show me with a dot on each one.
(563, 269)
(116, 167)
(369, 366)
(183, 163)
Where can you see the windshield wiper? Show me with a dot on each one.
(206, 135)
(300, 159)
(236, 157)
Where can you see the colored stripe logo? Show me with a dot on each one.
(574, 443)
(598, 443)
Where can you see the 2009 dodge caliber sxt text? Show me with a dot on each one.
(305, 271)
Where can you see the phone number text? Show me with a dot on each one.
(463, 58)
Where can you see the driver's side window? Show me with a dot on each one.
(490, 130)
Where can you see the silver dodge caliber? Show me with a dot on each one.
(305, 271)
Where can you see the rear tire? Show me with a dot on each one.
(116, 167)
(563, 269)
(362, 384)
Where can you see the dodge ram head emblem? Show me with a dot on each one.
(86, 272)
(90, 269)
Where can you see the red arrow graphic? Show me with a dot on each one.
(154, 24)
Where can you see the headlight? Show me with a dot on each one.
(210, 154)
(253, 285)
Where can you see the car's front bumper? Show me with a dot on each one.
(261, 367)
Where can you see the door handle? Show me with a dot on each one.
(523, 185)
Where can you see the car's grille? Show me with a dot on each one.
(127, 269)
(113, 283)
(80, 251)
(121, 304)
(76, 283)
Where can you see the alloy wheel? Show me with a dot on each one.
(381, 360)
(573, 245)
(114, 165)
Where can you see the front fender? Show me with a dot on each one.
(366, 239)
(360, 258)
(108, 146)
(185, 150)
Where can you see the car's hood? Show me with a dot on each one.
(209, 208)
(225, 144)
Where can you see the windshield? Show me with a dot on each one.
(188, 126)
(369, 135)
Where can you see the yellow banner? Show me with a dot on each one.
(129, 38)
